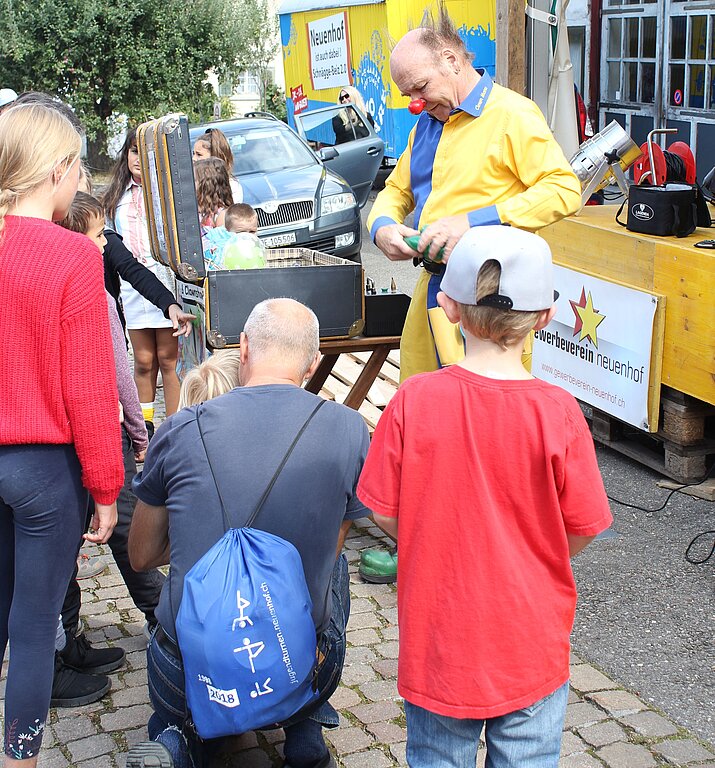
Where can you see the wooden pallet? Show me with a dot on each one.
(683, 449)
(345, 373)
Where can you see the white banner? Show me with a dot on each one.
(598, 346)
(329, 51)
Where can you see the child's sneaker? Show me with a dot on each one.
(78, 654)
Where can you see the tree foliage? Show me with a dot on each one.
(260, 26)
(141, 58)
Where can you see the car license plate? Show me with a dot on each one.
(276, 241)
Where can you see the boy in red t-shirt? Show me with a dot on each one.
(488, 479)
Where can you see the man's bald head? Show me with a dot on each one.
(282, 333)
(432, 63)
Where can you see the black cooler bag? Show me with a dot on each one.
(665, 211)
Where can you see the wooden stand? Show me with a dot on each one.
(592, 242)
(356, 372)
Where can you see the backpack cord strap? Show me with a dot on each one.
(252, 519)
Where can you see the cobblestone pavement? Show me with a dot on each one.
(605, 724)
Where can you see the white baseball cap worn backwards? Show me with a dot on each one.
(526, 283)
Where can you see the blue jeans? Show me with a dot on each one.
(144, 587)
(526, 738)
(42, 515)
(304, 742)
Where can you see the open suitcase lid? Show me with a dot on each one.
(170, 196)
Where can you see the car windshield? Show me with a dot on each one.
(266, 150)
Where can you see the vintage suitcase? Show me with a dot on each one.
(170, 195)
(330, 286)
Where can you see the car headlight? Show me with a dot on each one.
(335, 203)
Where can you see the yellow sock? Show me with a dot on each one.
(148, 411)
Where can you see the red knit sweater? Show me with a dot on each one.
(57, 378)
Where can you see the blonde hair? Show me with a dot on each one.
(356, 100)
(35, 140)
(504, 327)
(214, 377)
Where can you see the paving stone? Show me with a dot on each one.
(102, 620)
(650, 724)
(112, 633)
(359, 542)
(389, 649)
(91, 609)
(680, 751)
(362, 590)
(571, 743)
(618, 703)
(624, 755)
(390, 633)
(135, 678)
(380, 690)
(600, 734)
(399, 752)
(128, 697)
(104, 761)
(586, 678)
(135, 736)
(347, 740)
(389, 614)
(573, 697)
(361, 605)
(359, 654)
(581, 760)
(274, 736)
(582, 713)
(387, 733)
(373, 758)
(136, 628)
(575, 658)
(386, 599)
(93, 746)
(127, 717)
(111, 593)
(376, 712)
(73, 729)
(51, 758)
(133, 643)
(343, 698)
(386, 667)
(363, 621)
(363, 637)
(137, 660)
(354, 674)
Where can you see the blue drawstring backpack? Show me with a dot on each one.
(245, 628)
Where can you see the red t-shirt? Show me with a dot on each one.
(487, 477)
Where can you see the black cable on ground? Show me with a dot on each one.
(663, 505)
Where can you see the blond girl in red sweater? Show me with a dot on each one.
(59, 425)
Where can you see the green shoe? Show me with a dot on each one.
(378, 566)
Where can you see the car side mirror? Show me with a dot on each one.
(327, 153)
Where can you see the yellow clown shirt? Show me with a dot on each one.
(496, 160)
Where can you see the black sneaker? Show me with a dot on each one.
(149, 429)
(79, 655)
(75, 689)
(149, 754)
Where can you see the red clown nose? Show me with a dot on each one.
(416, 106)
